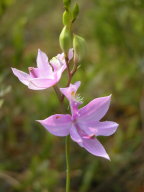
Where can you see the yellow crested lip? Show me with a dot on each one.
(73, 93)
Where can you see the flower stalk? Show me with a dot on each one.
(67, 140)
(65, 41)
(67, 148)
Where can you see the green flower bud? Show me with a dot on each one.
(67, 3)
(79, 46)
(75, 12)
(65, 39)
(67, 18)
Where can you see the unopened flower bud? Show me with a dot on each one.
(67, 18)
(67, 3)
(75, 12)
(79, 46)
(65, 39)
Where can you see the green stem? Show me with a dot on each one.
(67, 164)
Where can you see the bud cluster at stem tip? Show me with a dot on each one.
(66, 37)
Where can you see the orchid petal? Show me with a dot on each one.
(75, 135)
(43, 64)
(22, 76)
(105, 128)
(58, 74)
(42, 59)
(59, 61)
(95, 109)
(62, 58)
(41, 83)
(85, 128)
(58, 124)
(94, 147)
(70, 91)
(56, 64)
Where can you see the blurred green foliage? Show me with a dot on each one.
(30, 158)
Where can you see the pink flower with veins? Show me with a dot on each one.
(46, 74)
(84, 124)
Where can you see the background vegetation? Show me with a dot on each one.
(30, 158)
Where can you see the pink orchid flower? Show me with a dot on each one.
(84, 124)
(46, 74)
